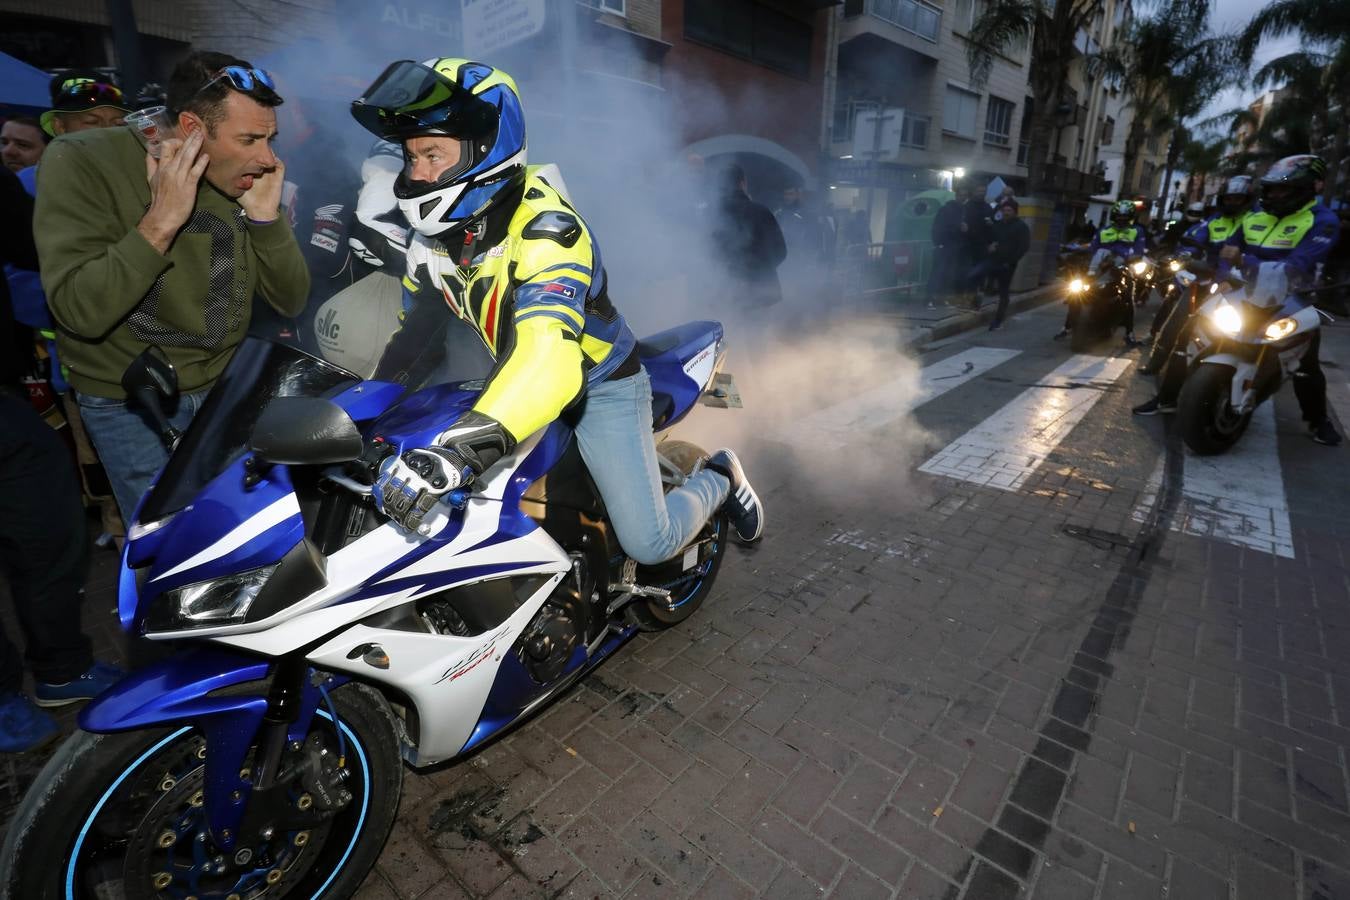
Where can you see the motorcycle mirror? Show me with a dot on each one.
(305, 431)
(152, 383)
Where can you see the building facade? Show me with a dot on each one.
(905, 63)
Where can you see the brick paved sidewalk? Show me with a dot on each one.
(953, 693)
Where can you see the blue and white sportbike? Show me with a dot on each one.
(319, 645)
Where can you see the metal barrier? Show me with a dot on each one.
(899, 267)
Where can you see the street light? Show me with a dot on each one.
(959, 172)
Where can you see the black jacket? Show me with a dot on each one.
(749, 245)
(947, 224)
(1013, 238)
(16, 248)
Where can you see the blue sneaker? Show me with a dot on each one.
(23, 726)
(743, 506)
(98, 679)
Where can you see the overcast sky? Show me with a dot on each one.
(1232, 15)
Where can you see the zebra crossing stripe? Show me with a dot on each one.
(836, 426)
(1005, 449)
(1212, 485)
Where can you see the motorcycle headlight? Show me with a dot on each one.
(1214, 288)
(1226, 318)
(221, 601)
(1175, 265)
(1077, 286)
(1281, 328)
(1139, 268)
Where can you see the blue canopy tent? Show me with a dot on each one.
(23, 88)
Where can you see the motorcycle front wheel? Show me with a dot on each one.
(1209, 424)
(121, 816)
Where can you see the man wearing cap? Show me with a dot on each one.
(139, 251)
(81, 100)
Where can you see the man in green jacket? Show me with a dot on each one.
(137, 251)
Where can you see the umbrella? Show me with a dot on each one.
(23, 88)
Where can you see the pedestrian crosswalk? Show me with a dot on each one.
(835, 426)
(1008, 447)
(1238, 497)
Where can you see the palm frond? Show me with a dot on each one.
(1003, 23)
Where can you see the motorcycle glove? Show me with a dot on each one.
(411, 484)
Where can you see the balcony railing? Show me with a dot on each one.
(915, 17)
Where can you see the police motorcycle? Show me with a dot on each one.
(1245, 341)
(1100, 296)
(1189, 280)
(321, 645)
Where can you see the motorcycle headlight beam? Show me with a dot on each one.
(1077, 286)
(1139, 268)
(1226, 318)
(1175, 265)
(1281, 328)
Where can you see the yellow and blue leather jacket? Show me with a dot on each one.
(534, 289)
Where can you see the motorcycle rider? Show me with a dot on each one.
(499, 247)
(1122, 237)
(1294, 229)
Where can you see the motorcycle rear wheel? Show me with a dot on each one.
(77, 830)
(1209, 424)
(687, 588)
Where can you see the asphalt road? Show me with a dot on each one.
(1002, 640)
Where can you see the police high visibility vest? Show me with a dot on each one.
(1263, 229)
(1112, 235)
(1221, 228)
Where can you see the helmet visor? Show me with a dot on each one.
(410, 99)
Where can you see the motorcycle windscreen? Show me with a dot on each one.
(220, 432)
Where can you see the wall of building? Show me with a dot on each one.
(713, 93)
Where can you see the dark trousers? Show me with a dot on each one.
(1173, 373)
(1169, 303)
(1002, 275)
(1310, 384)
(43, 551)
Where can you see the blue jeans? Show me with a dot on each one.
(615, 439)
(128, 443)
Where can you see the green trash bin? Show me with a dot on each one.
(912, 223)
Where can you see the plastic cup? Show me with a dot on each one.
(151, 127)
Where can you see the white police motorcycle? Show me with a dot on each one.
(1246, 340)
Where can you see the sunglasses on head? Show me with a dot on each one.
(243, 79)
(90, 93)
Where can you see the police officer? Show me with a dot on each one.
(1122, 237)
(1294, 229)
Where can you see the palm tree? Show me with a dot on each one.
(1205, 157)
(1052, 27)
(1169, 65)
(1324, 26)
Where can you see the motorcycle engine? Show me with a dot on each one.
(556, 631)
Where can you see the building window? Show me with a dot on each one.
(752, 31)
(998, 119)
(617, 7)
(959, 112)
